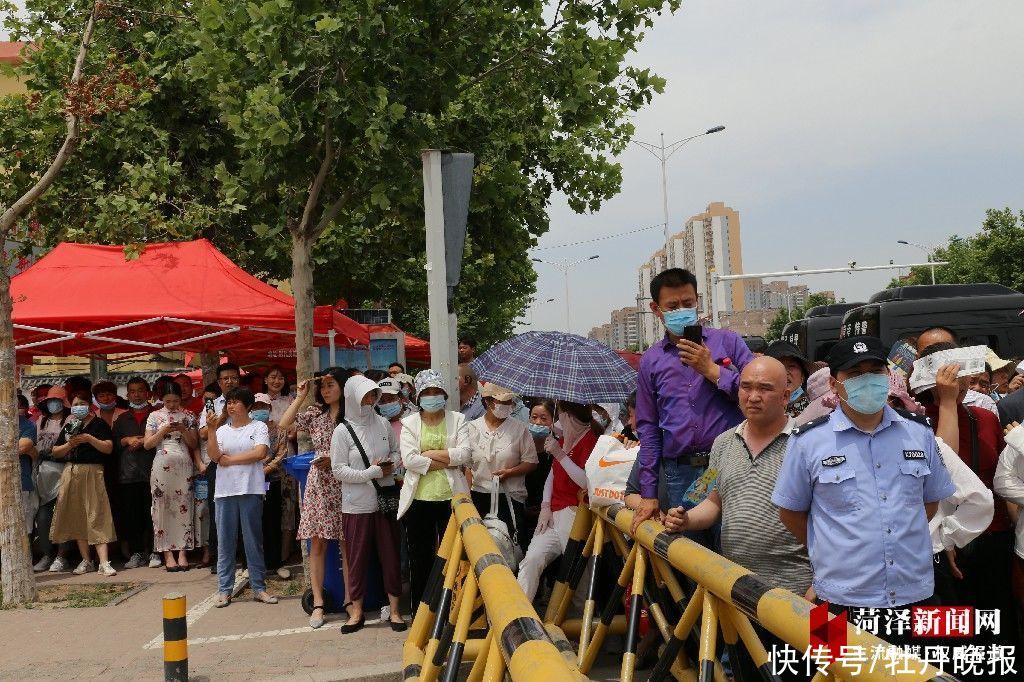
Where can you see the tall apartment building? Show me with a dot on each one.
(622, 332)
(625, 328)
(708, 244)
(602, 335)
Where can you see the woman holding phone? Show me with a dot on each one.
(171, 431)
(83, 508)
(364, 450)
(320, 515)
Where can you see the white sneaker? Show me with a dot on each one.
(42, 565)
(135, 561)
(155, 561)
(59, 565)
(85, 567)
(106, 569)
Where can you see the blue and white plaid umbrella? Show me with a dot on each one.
(558, 366)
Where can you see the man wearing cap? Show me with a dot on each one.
(795, 363)
(859, 486)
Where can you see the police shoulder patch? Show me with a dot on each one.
(919, 418)
(804, 428)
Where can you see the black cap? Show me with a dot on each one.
(784, 349)
(854, 350)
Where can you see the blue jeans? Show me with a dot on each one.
(246, 510)
(678, 478)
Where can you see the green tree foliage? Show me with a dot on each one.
(993, 255)
(782, 317)
(259, 121)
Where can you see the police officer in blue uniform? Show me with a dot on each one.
(859, 486)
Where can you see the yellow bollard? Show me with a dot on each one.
(175, 638)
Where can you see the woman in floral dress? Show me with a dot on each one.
(172, 432)
(320, 514)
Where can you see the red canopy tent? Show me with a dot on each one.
(83, 299)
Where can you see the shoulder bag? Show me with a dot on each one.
(387, 495)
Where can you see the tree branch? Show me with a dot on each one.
(11, 215)
(331, 213)
(317, 186)
(556, 22)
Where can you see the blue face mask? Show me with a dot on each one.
(539, 430)
(55, 406)
(867, 393)
(389, 410)
(796, 394)
(79, 411)
(405, 393)
(433, 403)
(260, 415)
(676, 320)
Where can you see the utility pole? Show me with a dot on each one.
(927, 253)
(663, 153)
(565, 266)
(447, 181)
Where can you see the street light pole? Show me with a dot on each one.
(927, 253)
(663, 153)
(565, 266)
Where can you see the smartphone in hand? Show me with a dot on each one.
(694, 333)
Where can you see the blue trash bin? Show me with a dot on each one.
(334, 580)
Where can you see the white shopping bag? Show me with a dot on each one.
(608, 470)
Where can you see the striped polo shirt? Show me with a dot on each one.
(752, 534)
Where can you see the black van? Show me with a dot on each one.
(816, 333)
(980, 314)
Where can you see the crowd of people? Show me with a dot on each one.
(841, 480)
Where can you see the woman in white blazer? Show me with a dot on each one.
(435, 446)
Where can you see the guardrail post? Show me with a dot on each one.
(175, 638)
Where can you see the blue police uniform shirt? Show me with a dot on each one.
(867, 530)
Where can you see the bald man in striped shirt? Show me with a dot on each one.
(747, 460)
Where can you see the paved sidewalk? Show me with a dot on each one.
(244, 641)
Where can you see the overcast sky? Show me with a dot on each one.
(849, 125)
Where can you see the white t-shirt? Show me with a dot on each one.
(241, 479)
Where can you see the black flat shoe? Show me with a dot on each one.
(399, 627)
(347, 629)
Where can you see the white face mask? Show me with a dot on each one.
(501, 411)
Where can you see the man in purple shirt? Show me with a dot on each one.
(686, 394)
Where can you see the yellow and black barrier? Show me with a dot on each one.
(469, 574)
(175, 638)
(727, 596)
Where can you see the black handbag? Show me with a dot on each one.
(387, 495)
